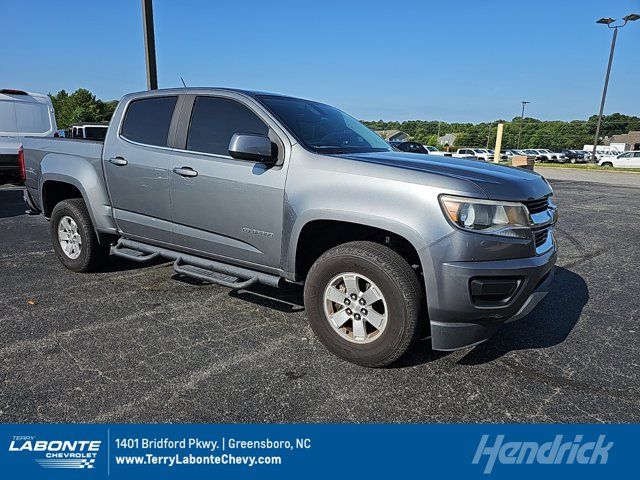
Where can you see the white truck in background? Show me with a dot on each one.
(478, 153)
(22, 114)
(606, 150)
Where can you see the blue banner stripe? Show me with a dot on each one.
(317, 451)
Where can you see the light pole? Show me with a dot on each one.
(524, 103)
(149, 44)
(608, 22)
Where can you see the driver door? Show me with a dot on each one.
(221, 206)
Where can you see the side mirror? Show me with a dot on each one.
(257, 148)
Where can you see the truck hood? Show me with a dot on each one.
(499, 182)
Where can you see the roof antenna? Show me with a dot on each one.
(185, 85)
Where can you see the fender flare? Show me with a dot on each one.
(401, 229)
(80, 173)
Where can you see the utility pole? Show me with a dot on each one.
(149, 44)
(524, 103)
(488, 137)
(496, 155)
(608, 21)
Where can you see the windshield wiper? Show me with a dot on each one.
(330, 150)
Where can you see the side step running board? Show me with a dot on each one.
(224, 274)
(131, 254)
(207, 275)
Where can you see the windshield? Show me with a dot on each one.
(322, 128)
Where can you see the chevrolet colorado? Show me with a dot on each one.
(241, 187)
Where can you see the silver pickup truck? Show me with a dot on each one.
(241, 187)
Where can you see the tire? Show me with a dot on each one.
(89, 254)
(400, 304)
(573, 160)
(606, 164)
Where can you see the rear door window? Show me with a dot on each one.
(148, 120)
(215, 120)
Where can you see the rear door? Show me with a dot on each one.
(136, 166)
(635, 159)
(221, 206)
(623, 160)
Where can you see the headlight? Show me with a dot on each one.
(507, 219)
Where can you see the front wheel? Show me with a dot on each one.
(74, 239)
(607, 164)
(364, 303)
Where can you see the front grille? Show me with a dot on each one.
(540, 236)
(537, 206)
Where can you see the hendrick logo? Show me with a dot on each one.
(553, 452)
(58, 453)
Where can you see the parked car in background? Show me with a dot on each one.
(546, 155)
(87, 131)
(240, 187)
(410, 147)
(434, 151)
(478, 153)
(560, 154)
(572, 156)
(530, 152)
(503, 156)
(586, 156)
(21, 114)
(512, 151)
(623, 160)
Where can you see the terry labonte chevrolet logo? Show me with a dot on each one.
(57, 453)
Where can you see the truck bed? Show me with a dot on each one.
(59, 150)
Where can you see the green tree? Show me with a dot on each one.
(80, 106)
(533, 133)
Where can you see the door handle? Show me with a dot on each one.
(185, 172)
(119, 161)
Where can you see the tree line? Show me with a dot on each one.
(83, 106)
(80, 106)
(533, 133)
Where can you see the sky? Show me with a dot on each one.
(463, 61)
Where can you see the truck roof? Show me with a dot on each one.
(10, 92)
(196, 90)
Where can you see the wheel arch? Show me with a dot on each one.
(316, 234)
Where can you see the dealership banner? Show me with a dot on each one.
(315, 451)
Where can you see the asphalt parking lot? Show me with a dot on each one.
(138, 344)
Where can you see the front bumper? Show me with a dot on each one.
(457, 318)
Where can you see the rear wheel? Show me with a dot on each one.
(74, 239)
(364, 303)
